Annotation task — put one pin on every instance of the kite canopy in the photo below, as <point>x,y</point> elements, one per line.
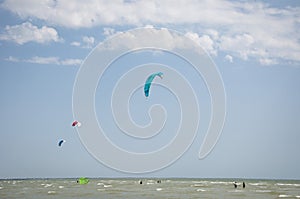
<point>76,123</point>
<point>83,180</point>
<point>61,142</point>
<point>149,81</point>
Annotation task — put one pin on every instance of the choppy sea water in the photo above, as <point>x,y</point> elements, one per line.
<point>150,188</point>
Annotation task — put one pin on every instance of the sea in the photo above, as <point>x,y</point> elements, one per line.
<point>148,188</point>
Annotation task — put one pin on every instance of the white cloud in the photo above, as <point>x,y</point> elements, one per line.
<point>108,31</point>
<point>229,58</point>
<point>12,59</point>
<point>46,60</point>
<point>43,60</point>
<point>267,61</point>
<point>75,43</point>
<point>26,32</point>
<point>87,42</point>
<point>70,62</point>
<point>242,44</point>
<point>205,41</point>
<point>268,32</point>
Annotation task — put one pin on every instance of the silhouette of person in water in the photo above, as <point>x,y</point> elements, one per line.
<point>235,185</point>
<point>244,185</point>
<point>141,182</point>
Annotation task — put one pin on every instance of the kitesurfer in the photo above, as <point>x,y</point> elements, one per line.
<point>235,184</point>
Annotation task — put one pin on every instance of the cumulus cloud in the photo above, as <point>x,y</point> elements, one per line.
<point>205,41</point>
<point>267,61</point>
<point>108,31</point>
<point>247,30</point>
<point>26,32</point>
<point>229,58</point>
<point>87,42</point>
<point>242,44</point>
<point>46,60</point>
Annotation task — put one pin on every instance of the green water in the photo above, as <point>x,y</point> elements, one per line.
<point>150,188</point>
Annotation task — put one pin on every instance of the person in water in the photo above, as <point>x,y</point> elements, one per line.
<point>235,185</point>
<point>244,185</point>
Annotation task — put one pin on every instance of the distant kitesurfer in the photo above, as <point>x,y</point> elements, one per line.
<point>235,184</point>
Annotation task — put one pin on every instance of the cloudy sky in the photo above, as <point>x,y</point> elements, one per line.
<point>254,44</point>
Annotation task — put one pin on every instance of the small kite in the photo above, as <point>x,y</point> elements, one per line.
<point>83,180</point>
<point>61,142</point>
<point>76,123</point>
<point>149,81</point>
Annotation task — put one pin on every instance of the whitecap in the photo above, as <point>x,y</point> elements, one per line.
<point>258,184</point>
<point>100,183</point>
<point>107,185</point>
<point>61,187</point>
<point>287,184</point>
<point>201,190</point>
<point>158,189</point>
<point>1,187</point>
<point>284,196</point>
<point>48,185</point>
<point>236,191</point>
<point>51,192</point>
<point>263,191</point>
<point>197,185</point>
<point>220,182</point>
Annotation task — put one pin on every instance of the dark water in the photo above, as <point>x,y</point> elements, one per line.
<point>150,188</point>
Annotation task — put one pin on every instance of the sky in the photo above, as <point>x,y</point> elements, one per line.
<point>255,46</point>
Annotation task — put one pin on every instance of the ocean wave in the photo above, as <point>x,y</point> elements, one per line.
<point>201,190</point>
<point>285,196</point>
<point>51,192</point>
<point>258,184</point>
<point>198,185</point>
<point>263,191</point>
<point>220,182</point>
<point>287,184</point>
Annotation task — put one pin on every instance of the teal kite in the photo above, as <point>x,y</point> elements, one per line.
<point>149,81</point>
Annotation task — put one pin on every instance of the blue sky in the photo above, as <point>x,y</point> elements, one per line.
<point>254,44</point>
